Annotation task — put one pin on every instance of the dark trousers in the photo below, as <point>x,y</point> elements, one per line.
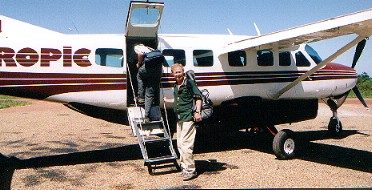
<point>149,86</point>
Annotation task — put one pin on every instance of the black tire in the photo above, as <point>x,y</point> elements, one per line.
<point>334,126</point>
<point>284,145</point>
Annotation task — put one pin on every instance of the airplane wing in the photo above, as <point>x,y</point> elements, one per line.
<point>359,23</point>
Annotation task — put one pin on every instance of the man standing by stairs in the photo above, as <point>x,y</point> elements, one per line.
<point>186,94</point>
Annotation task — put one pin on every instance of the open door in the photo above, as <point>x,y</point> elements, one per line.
<point>144,19</point>
<point>142,28</point>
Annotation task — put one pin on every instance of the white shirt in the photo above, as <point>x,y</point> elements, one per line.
<point>142,49</point>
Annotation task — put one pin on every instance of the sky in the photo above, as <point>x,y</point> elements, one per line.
<point>196,17</point>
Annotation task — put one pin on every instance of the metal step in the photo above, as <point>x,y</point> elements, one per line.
<point>155,139</point>
<point>162,159</point>
<point>152,122</point>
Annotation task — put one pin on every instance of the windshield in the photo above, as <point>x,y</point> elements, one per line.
<point>313,54</point>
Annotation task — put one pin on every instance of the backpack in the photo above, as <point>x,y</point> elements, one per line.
<point>207,104</point>
<point>153,59</point>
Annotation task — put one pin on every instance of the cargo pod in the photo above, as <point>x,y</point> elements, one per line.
<point>142,27</point>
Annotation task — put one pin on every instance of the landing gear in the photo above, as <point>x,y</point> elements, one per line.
<point>334,126</point>
<point>284,144</point>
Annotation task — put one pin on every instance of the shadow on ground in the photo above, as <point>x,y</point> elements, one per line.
<point>310,151</point>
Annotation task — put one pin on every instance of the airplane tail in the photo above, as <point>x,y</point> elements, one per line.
<point>12,27</point>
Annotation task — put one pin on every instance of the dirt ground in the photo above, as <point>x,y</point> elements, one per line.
<point>57,148</point>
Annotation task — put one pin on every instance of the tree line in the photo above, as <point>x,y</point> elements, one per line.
<point>364,85</point>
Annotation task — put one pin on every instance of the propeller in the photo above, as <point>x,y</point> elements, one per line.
<point>358,52</point>
<point>360,97</point>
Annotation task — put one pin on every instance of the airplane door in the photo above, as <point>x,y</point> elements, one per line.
<point>141,28</point>
<point>144,19</point>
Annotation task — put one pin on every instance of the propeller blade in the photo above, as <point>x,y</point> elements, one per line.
<point>359,95</point>
<point>358,52</point>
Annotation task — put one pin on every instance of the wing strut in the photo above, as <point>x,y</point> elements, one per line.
<point>320,65</point>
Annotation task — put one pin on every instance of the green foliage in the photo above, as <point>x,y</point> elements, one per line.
<point>364,85</point>
<point>9,101</point>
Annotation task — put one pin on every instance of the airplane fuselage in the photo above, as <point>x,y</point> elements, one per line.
<point>96,70</point>
<point>70,70</point>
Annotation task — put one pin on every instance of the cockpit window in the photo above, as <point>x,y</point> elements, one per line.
<point>301,60</point>
<point>313,54</point>
<point>109,57</point>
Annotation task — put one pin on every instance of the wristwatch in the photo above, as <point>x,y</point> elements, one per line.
<point>197,112</point>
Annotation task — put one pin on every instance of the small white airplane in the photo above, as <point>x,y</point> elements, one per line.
<point>254,81</point>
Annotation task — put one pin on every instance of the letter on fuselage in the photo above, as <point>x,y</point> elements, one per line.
<point>7,55</point>
<point>28,57</point>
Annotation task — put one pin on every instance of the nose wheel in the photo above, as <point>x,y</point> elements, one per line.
<point>334,126</point>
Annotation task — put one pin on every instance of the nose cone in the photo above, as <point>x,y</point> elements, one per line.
<point>336,67</point>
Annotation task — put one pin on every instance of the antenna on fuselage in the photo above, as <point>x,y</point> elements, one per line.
<point>74,28</point>
<point>257,30</point>
<point>230,32</point>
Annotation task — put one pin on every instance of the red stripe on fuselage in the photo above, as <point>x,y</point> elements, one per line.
<point>42,85</point>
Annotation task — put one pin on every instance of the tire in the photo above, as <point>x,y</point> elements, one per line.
<point>284,145</point>
<point>334,126</point>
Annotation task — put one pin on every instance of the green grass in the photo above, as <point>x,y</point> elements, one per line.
<point>9,101</point>
<point>367,94</point>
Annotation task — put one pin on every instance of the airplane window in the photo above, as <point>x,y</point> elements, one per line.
<point>203,58</point>
<point>265,58</point>
<point>237,58</point>
<point>313,54</point>
<point>284,58</point>
<point>174,56</point>
<point>301,60</point>
<point>109,57</point>
<point>144,16</point>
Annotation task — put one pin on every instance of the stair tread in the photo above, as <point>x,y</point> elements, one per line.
<point>162,158</point>
<point>155,139</point>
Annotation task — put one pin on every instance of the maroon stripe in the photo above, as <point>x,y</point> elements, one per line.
<point>58,75</point>
<point>42,85</point>
<point>55,82</point>
<point>42,92</point>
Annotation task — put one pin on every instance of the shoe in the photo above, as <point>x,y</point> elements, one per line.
<point>189,176</point>
<point>182,173</point>
<point>182,170</point>
<point>141,102</point>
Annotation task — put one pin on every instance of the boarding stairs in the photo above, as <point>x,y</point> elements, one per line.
<point>154,140</point>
